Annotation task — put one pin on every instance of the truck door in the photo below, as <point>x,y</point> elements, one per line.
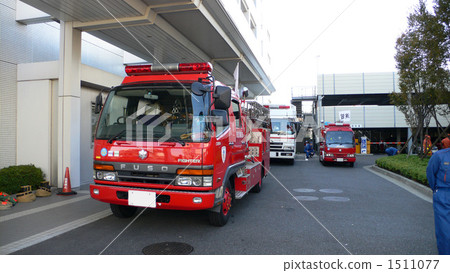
<point>237,137</point>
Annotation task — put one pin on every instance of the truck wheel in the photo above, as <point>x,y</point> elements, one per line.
<point>123,211</point>
<point>352,164</point>
<point>220,218</point>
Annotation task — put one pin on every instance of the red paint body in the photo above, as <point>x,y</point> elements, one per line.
<point>337,144</point>
<point>220,155</point>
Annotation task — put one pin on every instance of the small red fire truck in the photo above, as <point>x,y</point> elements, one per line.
<point>337,144</point>
<point>171,137</point>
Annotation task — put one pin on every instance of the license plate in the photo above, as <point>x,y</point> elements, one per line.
<point>142,199</point>
<point>339,159</point>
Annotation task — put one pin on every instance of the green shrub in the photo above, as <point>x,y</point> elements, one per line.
<point>411,167</point>
<point>11,178</point>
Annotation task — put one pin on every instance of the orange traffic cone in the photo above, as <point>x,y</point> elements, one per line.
<point>67,189</point>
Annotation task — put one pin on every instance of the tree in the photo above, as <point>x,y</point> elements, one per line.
<point>423,59</point>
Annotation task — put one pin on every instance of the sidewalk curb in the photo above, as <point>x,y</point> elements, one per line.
<point>403,180</point>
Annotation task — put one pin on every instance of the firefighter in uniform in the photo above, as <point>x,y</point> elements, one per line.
<point>438,175</point>
<point>427,144</point>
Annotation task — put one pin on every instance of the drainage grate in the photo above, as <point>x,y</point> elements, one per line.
<point>168,248</point>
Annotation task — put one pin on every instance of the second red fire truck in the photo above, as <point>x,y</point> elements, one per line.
<point>171,137</point>
<point>337,144</point>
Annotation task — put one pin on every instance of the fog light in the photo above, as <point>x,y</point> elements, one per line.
<point>96,191</point>
<point>197,200</point>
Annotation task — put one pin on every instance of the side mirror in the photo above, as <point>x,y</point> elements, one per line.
<point>220,117</point>
<point>222,98</point>
<point>98,103</point>
<point>198,88</point>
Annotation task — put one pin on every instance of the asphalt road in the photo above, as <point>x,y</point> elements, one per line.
<point>305,209</point>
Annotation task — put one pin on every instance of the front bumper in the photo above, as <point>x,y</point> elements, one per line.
<point>166,199</point>
<point>283,154</point>
<point>339,159</point>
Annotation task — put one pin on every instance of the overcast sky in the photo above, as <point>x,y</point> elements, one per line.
<point>361,40</point>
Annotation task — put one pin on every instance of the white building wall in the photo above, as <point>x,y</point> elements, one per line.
<point>379,116</point>
<point>20,44</point>
<point>34,129</point>
<point>380,83</point>
<point>348,84</point>
<point>247,16</point>
<point>359,83</point>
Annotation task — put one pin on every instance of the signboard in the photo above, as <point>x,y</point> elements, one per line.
<point>363,145</point>
<point>344,116</point>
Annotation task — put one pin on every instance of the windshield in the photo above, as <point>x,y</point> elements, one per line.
<point>283,127</point>
<point>339,138</point>
<point>155,113</point>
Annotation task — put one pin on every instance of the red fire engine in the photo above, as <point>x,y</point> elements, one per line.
<point>337,144</point>
<point>171,137</point>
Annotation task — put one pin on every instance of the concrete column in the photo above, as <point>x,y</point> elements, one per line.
<point>69,109</point>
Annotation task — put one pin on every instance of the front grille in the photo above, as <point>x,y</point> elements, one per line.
<point>159,198</point>
<point>145,177</point>
<point>276,147</point>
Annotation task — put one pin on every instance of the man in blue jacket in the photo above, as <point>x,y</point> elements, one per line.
<point>391,151</point>
<point>309,150</point>
<point>438,175</point>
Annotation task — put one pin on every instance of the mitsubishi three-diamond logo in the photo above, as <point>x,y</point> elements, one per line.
<point>143,154</point>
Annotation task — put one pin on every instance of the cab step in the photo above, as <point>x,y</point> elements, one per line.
<point>240,194</point>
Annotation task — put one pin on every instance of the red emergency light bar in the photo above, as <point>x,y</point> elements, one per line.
<point>338,124</point>
<point>134,70</point>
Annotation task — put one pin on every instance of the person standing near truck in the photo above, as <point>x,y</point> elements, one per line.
<point>439,180</point>
<point>427,145</point>
<point>308,150</point>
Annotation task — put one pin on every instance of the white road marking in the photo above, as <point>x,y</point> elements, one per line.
<point>40,237</point>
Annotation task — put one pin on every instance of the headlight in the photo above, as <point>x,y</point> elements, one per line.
<point>109,176</point>
<point>329,155</point>
<point>197,181</point>
<point>288,147</point>
<point>183,181</point>
<point>351,155</point>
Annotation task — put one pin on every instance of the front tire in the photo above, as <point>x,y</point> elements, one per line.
<point>123,211</point>
<point>220,218</point>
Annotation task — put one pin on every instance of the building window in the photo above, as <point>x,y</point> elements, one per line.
<point>253,26</point>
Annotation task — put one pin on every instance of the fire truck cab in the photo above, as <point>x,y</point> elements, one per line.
<point>283,132</point>
<point>337,144</point>
<point>171,137</point>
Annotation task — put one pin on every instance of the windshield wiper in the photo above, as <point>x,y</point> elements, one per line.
<point>110,140</point>
<point>173,139</point>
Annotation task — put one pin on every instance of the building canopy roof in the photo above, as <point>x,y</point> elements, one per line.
<point>168,32</point>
